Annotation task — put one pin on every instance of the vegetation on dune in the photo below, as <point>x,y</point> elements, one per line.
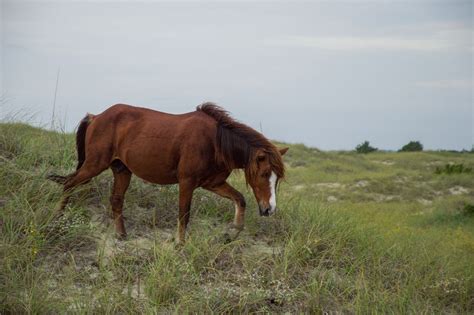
<point>453,169</point>
<point>356,233</point>
<point>365,147</point>
<point>412,146</point>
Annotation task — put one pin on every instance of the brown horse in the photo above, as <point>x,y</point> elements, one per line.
<point>196,149</point>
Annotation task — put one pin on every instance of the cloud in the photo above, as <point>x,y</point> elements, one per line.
<point>447,84</point>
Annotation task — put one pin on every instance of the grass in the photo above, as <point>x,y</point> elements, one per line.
<point>356,234</point>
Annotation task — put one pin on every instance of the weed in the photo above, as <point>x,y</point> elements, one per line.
<point>453,169</point>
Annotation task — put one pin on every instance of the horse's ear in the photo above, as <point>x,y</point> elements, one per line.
<point>283,151</point>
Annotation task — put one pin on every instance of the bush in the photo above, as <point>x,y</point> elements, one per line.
<point>468,209</point>
<point>453,169</point>
<point>412,146</point>
<point>365,147</point>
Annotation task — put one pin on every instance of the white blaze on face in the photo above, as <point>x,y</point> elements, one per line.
<point>272,182</point>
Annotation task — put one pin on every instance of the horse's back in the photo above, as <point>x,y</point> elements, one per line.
<point>158,147</point>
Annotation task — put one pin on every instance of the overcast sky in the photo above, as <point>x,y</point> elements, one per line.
<point>328,74</point>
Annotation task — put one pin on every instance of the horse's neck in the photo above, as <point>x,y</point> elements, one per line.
<point>238,160</point>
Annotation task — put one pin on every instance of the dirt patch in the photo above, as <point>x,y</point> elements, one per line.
<point>382,197</point>
<point>361,184</point>
<point>458,190</point>
<point>385,162</point>
<point>425,202</point>
<point>109,246</point>
<point>135,291</point>
<point>299,187</point>
<point>259,248</point>
<point>332,199</point>
<point>330,185</point>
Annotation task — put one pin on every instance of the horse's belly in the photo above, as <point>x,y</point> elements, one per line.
<point>156,168</point>
<point>157,178</point>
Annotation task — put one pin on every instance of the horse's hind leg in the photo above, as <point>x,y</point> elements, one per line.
<point>66,195</point>
<point>81,176</point>
<point>122,176</point>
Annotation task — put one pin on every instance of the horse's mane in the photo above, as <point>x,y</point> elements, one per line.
<point>237,143</point>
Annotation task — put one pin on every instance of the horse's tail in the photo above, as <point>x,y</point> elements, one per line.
<point>81,140</point>
<point>80,147</point>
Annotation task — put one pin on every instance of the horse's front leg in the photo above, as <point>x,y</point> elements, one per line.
<point>186,190</point>
<point>227,191</point>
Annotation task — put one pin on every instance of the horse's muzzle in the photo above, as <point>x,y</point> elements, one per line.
<point>265,212</point>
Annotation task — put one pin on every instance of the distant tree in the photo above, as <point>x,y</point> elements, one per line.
<point>412,146</point>
<point>365,147</point>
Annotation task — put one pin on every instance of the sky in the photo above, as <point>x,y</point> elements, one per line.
<point>329,74</point>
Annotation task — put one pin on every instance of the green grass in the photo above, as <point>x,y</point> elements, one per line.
<point>356,234</point>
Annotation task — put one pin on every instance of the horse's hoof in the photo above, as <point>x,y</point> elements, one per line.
<point>121,236</point>
<point>231,234</point>
<point>179,245</point>
<point>226,238</point>
<point>237,227</point>
<point>57,214</point>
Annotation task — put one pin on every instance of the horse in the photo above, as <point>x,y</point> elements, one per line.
<point>195,149</point>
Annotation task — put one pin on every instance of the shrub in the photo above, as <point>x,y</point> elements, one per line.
<point>468,209</point>
<point>412,146</point>
<point>453,169</point>
<point>365,147</point>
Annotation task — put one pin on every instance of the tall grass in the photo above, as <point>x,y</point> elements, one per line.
<point>359,254</point>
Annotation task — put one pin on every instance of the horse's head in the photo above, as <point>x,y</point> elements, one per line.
<point>267,170</point>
